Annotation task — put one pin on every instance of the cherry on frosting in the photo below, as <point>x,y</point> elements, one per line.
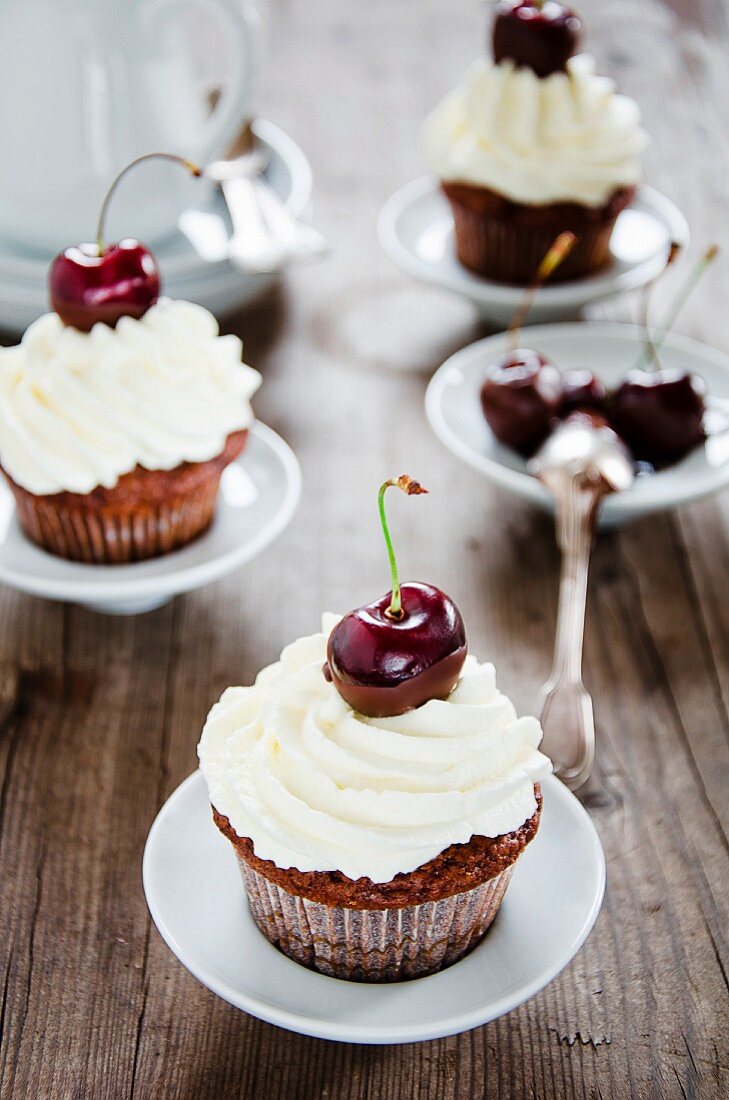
<point>91,283</point>
<point>402,650</point>
<point>88,286</point>
<point>539,34</point>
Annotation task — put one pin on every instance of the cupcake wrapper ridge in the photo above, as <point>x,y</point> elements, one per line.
<point>115,535</point>
<point>373,945</point>
<point>508,245</point>
<point>147,513</point>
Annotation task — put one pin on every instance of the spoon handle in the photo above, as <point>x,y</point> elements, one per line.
<point>564,706</point>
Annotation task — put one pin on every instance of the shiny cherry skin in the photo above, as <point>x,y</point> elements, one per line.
<point>541,37</point>
<point>520,397</point>
<point>86,287</point>
<point>581,390</point>
<point>385,666</point>
<point>659,414</point>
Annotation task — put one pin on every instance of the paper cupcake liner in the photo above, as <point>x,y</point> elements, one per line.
<point>147,513</point>
<point>373,945</point>
<point>115,535</point>
<point>504,250</point>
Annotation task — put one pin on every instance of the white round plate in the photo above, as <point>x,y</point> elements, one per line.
<point>416,230</point>
<point>258,496</point>
<point>196,898</point>
<point>198,272</point>
<point>453,407</point>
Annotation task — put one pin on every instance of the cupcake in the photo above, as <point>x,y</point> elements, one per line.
<point>375,846</point>
<point>113,441</point>
<point>531,144</point>
<point>119,410</point>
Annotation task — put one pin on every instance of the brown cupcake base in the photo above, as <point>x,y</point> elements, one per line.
<point>373,945</point>
<point>147,512</point>
<point>359,930</point>
<point>505,240</point>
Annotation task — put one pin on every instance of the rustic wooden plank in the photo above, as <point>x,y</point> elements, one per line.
<point>85,782</point>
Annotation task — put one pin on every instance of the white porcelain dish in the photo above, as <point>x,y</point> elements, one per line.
<point>415,228</point>
<point>196,898</point>
<point>453,408</point>
<point>211,281</point>
<point>258,496</point>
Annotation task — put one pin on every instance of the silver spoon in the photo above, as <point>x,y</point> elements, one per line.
<point>265,234</point>
<point>582,461</point>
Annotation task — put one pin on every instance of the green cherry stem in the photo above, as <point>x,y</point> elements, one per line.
<point>685,293</point>
<point>558,251</point>
<point>412,488</point>
<point>192,168</point>
<point>649,353</point>
<point>653,345</point>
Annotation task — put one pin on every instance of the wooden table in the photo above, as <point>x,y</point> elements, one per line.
<point>99,717</point>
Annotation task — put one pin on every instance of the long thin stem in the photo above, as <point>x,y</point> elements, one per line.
<point>192,168</point>
<point>407,485</point>
<point>558,251</point>
<point>653,344</point>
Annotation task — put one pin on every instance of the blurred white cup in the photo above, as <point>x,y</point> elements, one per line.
<point>88,85</point>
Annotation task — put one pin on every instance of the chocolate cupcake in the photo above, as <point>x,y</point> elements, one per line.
<point>371,848</point>
<point>113,441</point>
<point>531,144</point>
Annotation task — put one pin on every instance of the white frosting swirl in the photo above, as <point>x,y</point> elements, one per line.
<point>566,137</point>
<point>319,787</point>
<point>79,409</point>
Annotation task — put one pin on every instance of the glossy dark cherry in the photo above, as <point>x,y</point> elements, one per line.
<point>383,666</point>
<point>659,414</point>
<point>541,36</point>
<point>581,390</point>
<point>520,397</point>
<point>86,287</point>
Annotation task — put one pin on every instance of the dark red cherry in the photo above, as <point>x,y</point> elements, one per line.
<point>520,397</point>
<point>92,283</point>
<point>393,655</point>
<point>581,390</point>
<point>539,34</point>
<point>383,665</point>
<point>86,287</point>
<point>659,414</point>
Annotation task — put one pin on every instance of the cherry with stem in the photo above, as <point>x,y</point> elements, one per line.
<point>92,283</point>
<point>523,392</point>
<point>660,412</point>
<point>399,652</point>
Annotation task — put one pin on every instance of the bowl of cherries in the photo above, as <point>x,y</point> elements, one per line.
<point>496,402</point>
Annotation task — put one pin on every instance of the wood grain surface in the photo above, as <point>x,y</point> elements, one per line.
<point>99,717</point>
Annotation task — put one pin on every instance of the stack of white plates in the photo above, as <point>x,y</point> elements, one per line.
<point>193,262</point>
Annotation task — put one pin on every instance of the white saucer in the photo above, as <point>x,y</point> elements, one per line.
<point>195,895</point>
<point>210,281</point>
<point>415,228</point>
<point>258,496</point>
<point>453,407</point>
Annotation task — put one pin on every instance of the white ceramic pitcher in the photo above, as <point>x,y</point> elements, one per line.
<point>87,85</point>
